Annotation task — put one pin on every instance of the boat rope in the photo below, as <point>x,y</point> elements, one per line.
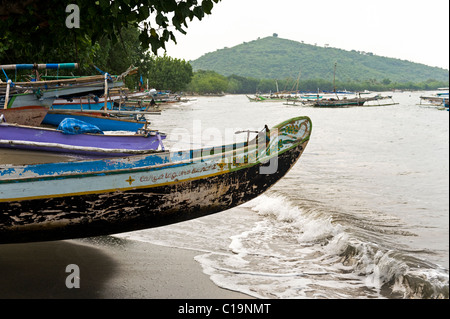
<point>7,78</point>
<point>104,73</point>
<point>131,70</point>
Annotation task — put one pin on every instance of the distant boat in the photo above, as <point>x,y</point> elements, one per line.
<point>93,144</point>
<point>67,200</point>
<point>357,100</point>
<point>439,99</point>
<point>272,98</point>
<point>339,103</point>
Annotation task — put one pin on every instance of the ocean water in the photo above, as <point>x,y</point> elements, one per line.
<point>363,214</point>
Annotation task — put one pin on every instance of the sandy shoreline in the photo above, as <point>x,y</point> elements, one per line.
<point>109,268</point>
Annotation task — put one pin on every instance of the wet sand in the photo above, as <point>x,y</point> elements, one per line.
<point>109,268</point>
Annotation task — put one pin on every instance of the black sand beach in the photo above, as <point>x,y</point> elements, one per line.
<point>109,268</point>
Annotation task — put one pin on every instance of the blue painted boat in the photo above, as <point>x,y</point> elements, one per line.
<point>86,198</point>
<point>102,121</point>
<point>83,103</point>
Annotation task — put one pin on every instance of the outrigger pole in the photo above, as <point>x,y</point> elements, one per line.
<point>35,66</point>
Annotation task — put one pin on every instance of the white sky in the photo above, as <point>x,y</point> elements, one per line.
<point>413,30</point>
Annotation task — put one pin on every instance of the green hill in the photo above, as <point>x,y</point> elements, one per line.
<point>276,58</point>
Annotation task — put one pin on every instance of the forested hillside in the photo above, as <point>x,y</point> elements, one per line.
<point>277,58</point>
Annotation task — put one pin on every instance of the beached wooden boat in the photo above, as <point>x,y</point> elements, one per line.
<point>26,115</point>
<point>45,93</point>
<point>74,141</point>
<point>97,197</point>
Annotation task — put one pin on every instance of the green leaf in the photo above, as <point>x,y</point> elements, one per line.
<point>207,6</point>
<point>198,12</point>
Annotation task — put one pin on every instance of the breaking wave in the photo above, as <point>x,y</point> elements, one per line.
<point>296,252</point>
<point>273,247</point>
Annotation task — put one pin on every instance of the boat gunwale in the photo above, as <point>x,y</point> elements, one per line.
<point>69,112</point>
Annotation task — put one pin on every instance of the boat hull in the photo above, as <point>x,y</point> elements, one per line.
<point>339,103</point>
<point>85,104</point>
<point>163,191</point>
<point>94,215</point>
<point>26,115</point>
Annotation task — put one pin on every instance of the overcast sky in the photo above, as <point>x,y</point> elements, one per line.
<point>413,30</point>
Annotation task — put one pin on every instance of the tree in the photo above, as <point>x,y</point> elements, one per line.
<point>205,82</point>
<point>31,27</point>
<point>166,73</point>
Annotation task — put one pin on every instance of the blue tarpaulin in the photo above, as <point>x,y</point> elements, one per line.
<point>73,126</point>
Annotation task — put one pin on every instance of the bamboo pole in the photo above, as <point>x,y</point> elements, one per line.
<point>82,80</point>
<point>7,94</point>
<point>106,91</point>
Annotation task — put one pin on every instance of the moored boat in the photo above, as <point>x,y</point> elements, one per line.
<point>439,99</point>
<point>97,197</point>
<point>272,98</point>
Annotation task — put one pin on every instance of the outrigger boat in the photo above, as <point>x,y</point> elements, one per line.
<point>79,138</point>
<point>348,102</point>
<point>272,98</point>
<point>439,99</point>
<point>54,201</point>
<point>45,93</point>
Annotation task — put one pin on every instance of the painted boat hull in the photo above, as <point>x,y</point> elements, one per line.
<point>26,115</point>
<point>50,140</point>
<point>338,104</point>
<point>84,104</point>
<point>94,198</point>
<point>104,123</point>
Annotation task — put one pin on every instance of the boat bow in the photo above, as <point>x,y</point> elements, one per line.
<point>98,197</point>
